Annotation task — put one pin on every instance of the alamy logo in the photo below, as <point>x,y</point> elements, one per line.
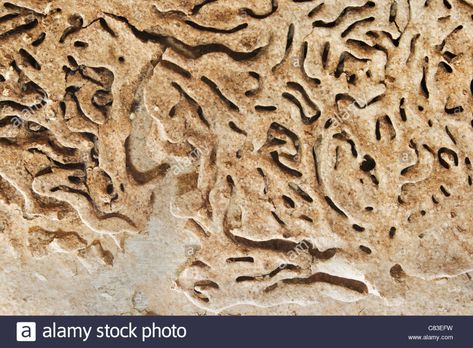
<point>26,332</point>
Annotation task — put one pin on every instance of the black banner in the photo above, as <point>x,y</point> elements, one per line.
<point>92,331</point>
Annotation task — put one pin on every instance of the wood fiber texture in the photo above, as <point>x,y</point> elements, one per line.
<point>236,157</point>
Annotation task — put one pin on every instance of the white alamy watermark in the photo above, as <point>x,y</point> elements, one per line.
<point>17,120</point>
